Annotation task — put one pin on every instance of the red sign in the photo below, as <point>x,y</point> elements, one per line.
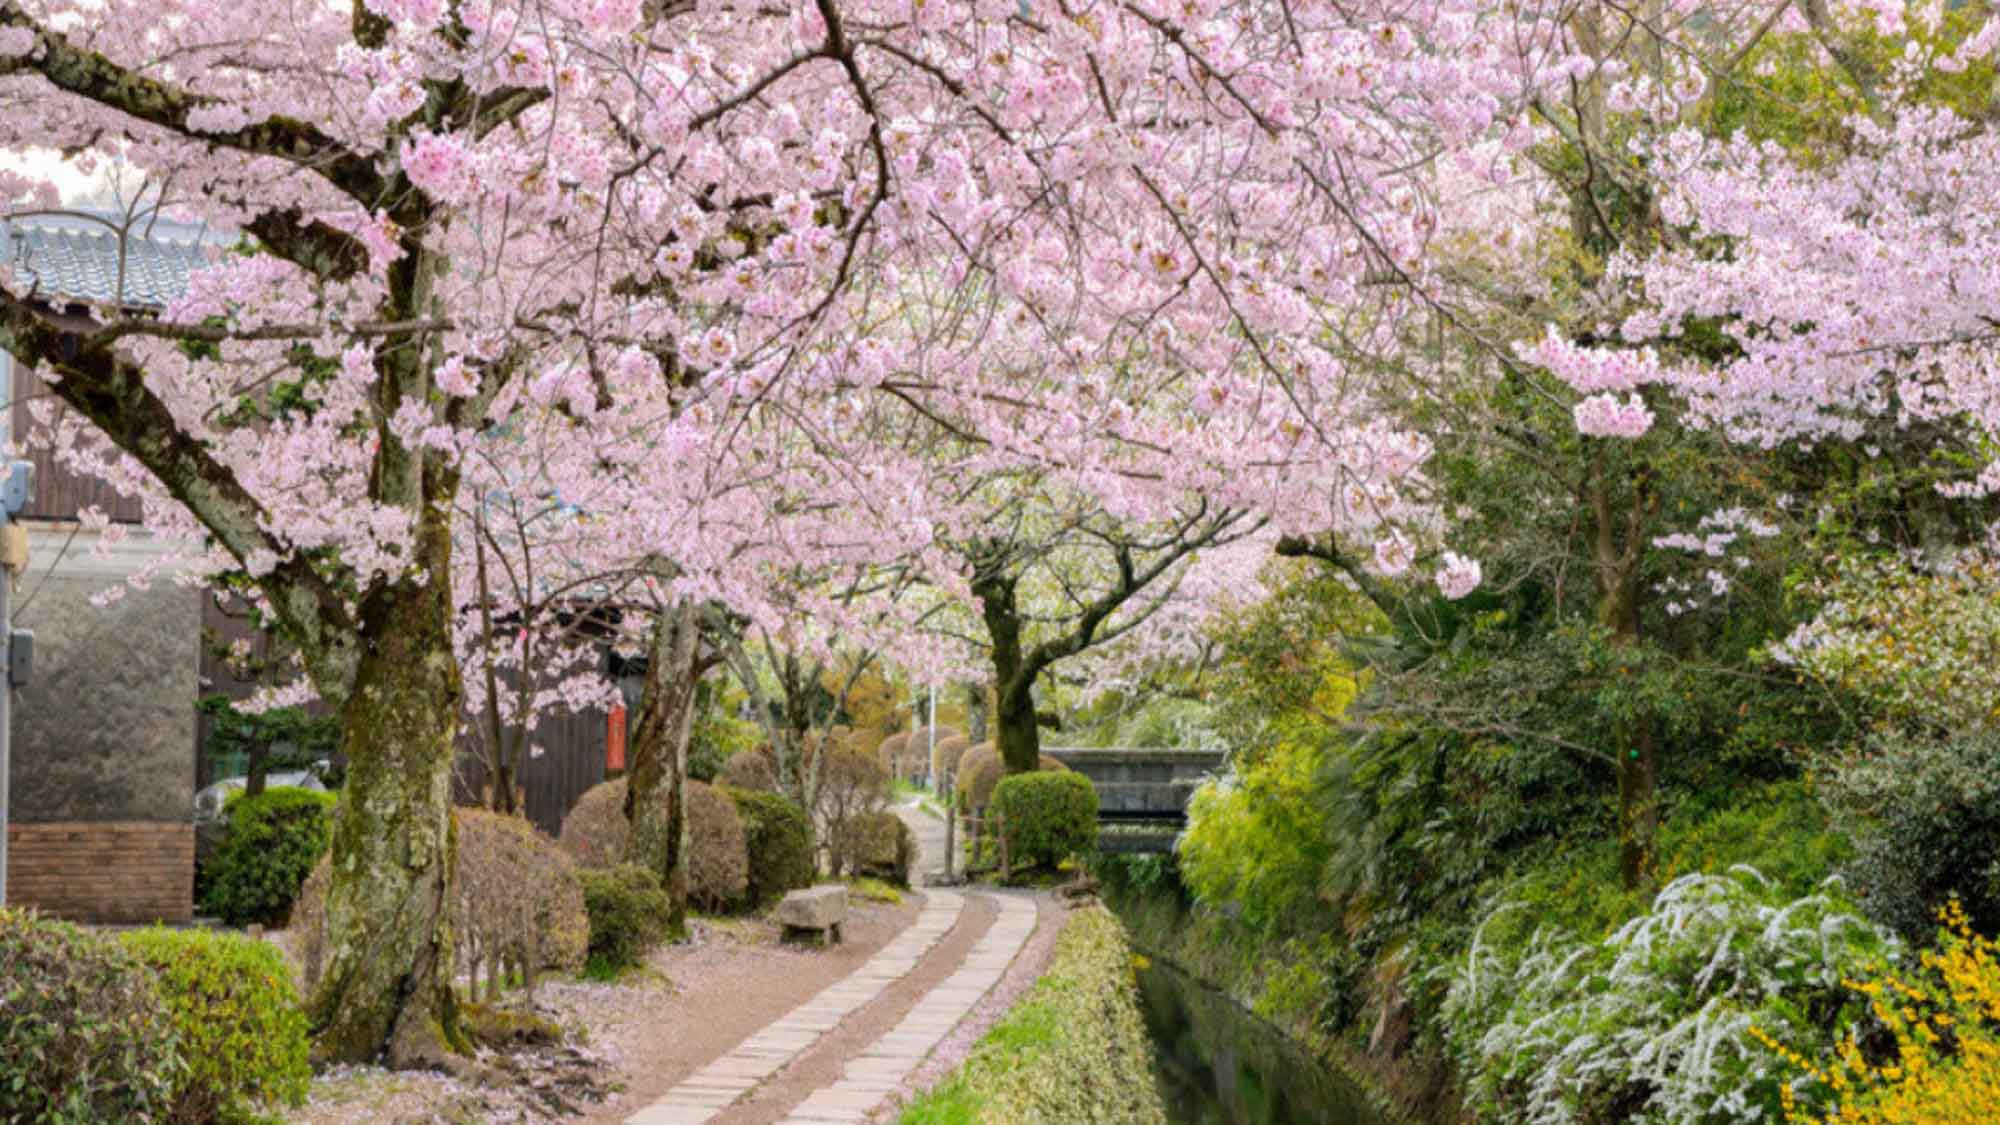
<point>614,739</point>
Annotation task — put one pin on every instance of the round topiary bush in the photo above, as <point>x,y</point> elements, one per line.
<point>628,912</point>
<point>881,846</point>
<point>274,840</point>
<point>944,760</point>
<point>892,750</point>
<point>519,903</point>
<point>851,784</point>
<point>779,839</point>
<point>85,1035</point>
<point>240,1023</point>
<point>965,755</point>
<point>756,768</point>
<point>1048,816</point>
<point>981,759</point>
<point>718,852</point>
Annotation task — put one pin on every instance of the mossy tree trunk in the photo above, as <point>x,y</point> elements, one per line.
<point>655,794</point>
<point>387,984</point>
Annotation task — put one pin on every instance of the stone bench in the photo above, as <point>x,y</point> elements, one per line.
<point>814,914</point>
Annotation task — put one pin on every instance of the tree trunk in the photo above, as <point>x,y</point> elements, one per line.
<point>255,766</point>
<point>975,713</point>
<point>654,796</point>
<point>1020,739</point>
<point>1638,772</point>
<point>387,988</point>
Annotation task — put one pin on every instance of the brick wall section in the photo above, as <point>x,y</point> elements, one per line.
<point>103,871</point>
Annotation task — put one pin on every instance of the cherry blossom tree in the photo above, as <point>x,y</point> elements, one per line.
<point>1063,233</point>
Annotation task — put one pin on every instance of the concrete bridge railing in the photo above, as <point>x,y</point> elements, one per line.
<point>1142,794</point>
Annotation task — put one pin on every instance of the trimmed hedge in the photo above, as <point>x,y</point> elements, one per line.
<point>755,768</point>
<point>595,832</point>
<point>779,838</point>
<point>520,905</point>
<point>628,911</point>
<point>1073,1049</point>
<point>981,770</point>
<point>881,847</point>
<point>85,1035</point>
<point>1048,816</point>
<point>240,1023</point>
<point>274,840</point>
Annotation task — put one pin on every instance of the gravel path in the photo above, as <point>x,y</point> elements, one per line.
<point>929,831</point>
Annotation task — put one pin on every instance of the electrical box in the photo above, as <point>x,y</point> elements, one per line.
<point>17,486</point>
<point>20,656</point>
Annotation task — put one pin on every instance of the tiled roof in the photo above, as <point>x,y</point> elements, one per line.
<point>79,260</point>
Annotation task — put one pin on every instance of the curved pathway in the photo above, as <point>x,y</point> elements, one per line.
<point>716,1086</point>
<point>760,1078</point>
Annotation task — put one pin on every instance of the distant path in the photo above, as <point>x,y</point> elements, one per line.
<point>929,831</point>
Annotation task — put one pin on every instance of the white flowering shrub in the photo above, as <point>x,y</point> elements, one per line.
<point>1651,1023</point>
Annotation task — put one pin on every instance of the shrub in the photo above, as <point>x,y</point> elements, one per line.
<point>961,763</point>
<point>983,772</point>
<point>238,1017</point>
<point>892,750</point>
<point>756,768</point>
<point>1945,1065</point>
<point>779,838</point>
<point>1925,816</point>
<point>628,910</point>
<point>1653,1022</point>
<point>595,832</point>
<point>1256,840</point>
<point>1073,1049</point>
<point>520,906</point>
<point>84,1033</point>
<point>718,853</point>
<point>977,767</point>
<point>880,846</point>
<point>851,784</point>
<point>944,761</point>
<point>274,839</point>
<point>1049,817</point>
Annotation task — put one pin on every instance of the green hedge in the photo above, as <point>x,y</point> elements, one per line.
<point>239,1019</point>
<point>84,1033</point>
<point>1073,1049</point>
<point>779,837</point>
<point>1048,816</point>
<point>628,911</point>
<point>274,840</point>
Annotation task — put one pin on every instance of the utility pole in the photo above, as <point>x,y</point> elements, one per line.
<point>15,488</point>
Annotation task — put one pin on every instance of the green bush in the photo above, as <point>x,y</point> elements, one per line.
<point>1652,1022</point>
<point>1048,816</point>
<point>628,911</point>
<point>274,840</point>
<point>84,1033</point>
<point>240,1022</point>
<point>1073,1049</point>
<point>779,837</point>
<point>1925,817</point>
<point>880,846</point>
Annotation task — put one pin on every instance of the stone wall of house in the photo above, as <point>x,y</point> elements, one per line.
<point>103,767</point>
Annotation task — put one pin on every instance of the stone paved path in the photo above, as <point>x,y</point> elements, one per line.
<point>737,1072</point>
<point>880,1068</point>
